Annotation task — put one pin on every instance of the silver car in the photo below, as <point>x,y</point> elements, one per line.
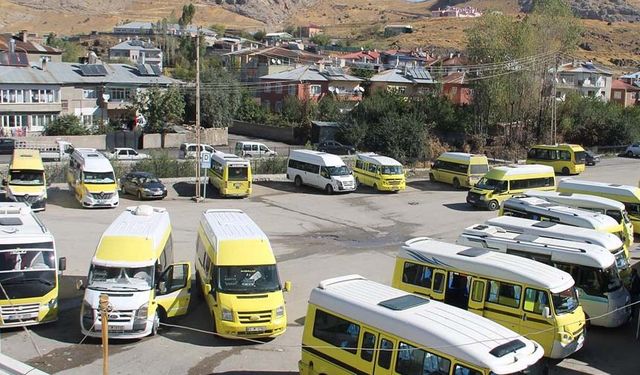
<point>633,150</point>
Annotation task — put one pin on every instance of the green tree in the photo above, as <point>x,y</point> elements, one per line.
<point>250,111</point>
<point>161,109</point>
<point>259,35</point>
<point>188,12</point>
<point>329,109</point>
<point>71,52</point>
<point>321,39</point>
<point>220,97</point>
<point>66,125</point>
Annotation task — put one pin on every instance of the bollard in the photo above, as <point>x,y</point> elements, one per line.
<point>104,314</point>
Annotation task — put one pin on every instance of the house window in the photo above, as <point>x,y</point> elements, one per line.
<point>292,89</point>
<point>315,89</point>
<point>397,89</point>
<point>118,93</point>
<point>617,95</point>
<point>89,94</point>
<point>454,90</point>
<point>40,121</point>
<point>87,120</point>
<point>278,89</point>
<point>13,121</point>
<point>267,87</point>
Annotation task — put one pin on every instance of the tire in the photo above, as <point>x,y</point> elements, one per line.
<point>565,171</point>
<point>493,205</point>
<point>357,182</point>
<point>214,327</point>
<point>375,187</point>
<point>328,189</point>
<point>629,154</point>
<point>456,184</point>
<point>432,178</point>
<point>139,195</point>
<point>156,324</point>
<point>298,181</point>
<point>123,191</point>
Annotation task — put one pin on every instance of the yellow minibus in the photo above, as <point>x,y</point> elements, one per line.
<point>459,169</point>
<point>28,271</point>
<point>133,265</point>
<point>564,158</point>
<point>91,179</point>
<point>626,194</point>
<point>534,299</point>
<point>230,175</point>
<point>26,180</point>
<point>501,183</point>
<point>237,274</point>
<point>380,172</point>
<point>357,326</point>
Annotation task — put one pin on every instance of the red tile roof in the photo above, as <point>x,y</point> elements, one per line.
<point>29,46</point>
<point>621,85</point>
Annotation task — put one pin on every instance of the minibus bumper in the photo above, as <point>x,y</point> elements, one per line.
<point>392,186</point>
<point>42,314</point>
<point>238,330</point>
<point>126,331</point>
<point>476,200</point>
<point>90,202</point>
<point>37,203</point>
<point>562,351</point>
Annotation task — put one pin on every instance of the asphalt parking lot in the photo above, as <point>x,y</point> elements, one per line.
<point>315,237</point>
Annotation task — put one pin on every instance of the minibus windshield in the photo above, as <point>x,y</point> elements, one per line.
<point>248,279</point>
<point>491,184</point>
<point>478,168</point>
<point>609,279</point>
<point>621,260</point>
<point>238,173</point>
<point>26,177</point>
<point>581,157</point>
<point>26,273</point>
<point>99,177</point>
<point>565,301</point>
<point>338,171</point>
<point>127,278</point>
<point>616,215</point>
<point>391,169</point>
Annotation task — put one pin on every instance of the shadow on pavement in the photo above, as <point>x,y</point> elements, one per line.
<point>426,185</point>
<point>464,207</point>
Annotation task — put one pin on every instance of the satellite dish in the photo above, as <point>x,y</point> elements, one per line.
<point>279,62</point>
<point>273,61</point>
<point>332,89</point>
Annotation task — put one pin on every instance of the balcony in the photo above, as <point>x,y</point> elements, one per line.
<point>31,107</point>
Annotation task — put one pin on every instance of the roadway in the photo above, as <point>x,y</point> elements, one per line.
<point>315,237</point>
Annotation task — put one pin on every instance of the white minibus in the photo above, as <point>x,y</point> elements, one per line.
<point>602,294</point>
<point>320,170</point>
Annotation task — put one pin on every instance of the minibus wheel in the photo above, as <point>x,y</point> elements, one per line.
<point>493,205</point>
<point>298,181</point>
<point>432,178</point>
<point>629,154</point>
<point>156,324</point>
<point>565,171</point>
<point>456,184</point>
<point>329,189</point>
<point>139,195</point>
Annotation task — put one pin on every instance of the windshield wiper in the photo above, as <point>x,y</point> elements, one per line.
<point>4,281</point>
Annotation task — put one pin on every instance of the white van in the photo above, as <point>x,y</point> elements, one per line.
<point>247,149</point>
<point>320,170</point>
<point>188,150</point>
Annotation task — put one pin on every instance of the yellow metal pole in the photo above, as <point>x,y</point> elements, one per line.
<point>104,313</point>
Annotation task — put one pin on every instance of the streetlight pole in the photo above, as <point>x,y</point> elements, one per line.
<point>198,197</point>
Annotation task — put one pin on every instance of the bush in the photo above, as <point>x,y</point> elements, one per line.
<point>66,125</point>
<point>163,166</point>
<point>276,165</point>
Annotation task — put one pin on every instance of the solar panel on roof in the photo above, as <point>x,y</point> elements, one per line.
<point>418,73</point>
<point>93,70</point>
<point>334,71</point>
<point>13,59</point>
<point>148,70</point>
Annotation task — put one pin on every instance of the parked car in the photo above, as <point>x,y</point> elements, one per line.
<point>337,148</point>
<point>188,150</point>
<point>7,145</point>
<point>126,154</point>
<point>143,185</point>
<point>591,159</point>
<point>633,150</point>
<point>246,149</point>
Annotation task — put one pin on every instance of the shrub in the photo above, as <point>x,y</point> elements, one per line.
<point>163,166</point>
<point>274,165</point>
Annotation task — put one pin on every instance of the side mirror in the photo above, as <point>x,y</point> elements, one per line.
<point>5,182</point>
<point>207,288</point>
<point>287,286</point>
<point>80,285</point>
<point>162,287</point>
<point>62,264</point>
<point>546,312</point>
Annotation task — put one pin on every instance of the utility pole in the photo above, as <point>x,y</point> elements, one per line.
<point>197,197</point>
<point>554,107</point>
<point>104,314</point>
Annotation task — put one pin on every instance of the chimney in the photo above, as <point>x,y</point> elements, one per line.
<point>44,64</point>
<point>451,55</point>
<point>12,45</point>
<point>24,36</point>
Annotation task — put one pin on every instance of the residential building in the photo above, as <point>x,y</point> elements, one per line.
<point>309,83</point>
<point>584,78</point>
<point>407,82</point>
<point>148,28</point>
<point>631,78</point>
<point>138,52</point>
<point>25,43</point>
<point>310,31</point>
<point>252,64</point>
<point>397,58</point>
<point>455,63</point>
<point>134,28</point>
<point>33,95</point>
<point>450,11</point>
<point>273,39</point>
<point>624,93</point>
<point>371,57</point>
<point>223,45</point>
<point>456,88</point>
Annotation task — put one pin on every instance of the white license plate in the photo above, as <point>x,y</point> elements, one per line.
<point>21,316</point>
<point>256,329</point>
<point>116,328</point>
<point>237,186</point>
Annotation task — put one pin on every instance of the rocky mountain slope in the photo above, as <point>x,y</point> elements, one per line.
<point>604,10</point>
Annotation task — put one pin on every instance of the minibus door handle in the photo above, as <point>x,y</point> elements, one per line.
<point>524,317</point>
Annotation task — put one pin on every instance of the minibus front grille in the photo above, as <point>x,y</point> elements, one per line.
<point>26,313</point>
<point>249,317</point>
<point>254,296</point>
<point>394,182</point>
<point>31,199</point>
<point>473,195</point>
<point>102,195</point>
<point>118,316</point>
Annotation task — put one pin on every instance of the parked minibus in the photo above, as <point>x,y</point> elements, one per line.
<point>601,291</point>
<point>91,179</point>
<point>459,169</point>
<point>612,243</point>
<point>602,205</point>
<point>528,297</point>
<point>237,274</point>
<point>564,158</point>
<point>133,265</point>
<point>357,326</point>
<point>320,170</point>
<point>26,180</point>
<point>230,175</point>
<point>626,194</point>
<point>502,183</point>
<point>539,209</point>
<point>380,172</point>
<point>28,270</point>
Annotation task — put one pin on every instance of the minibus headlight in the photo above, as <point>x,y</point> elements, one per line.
<point>53,303</point>
<point>280,311</point>
<point>87,315</point>
<point>565,337</point>
<point>142,312</point>
<point>340,184</point>
<point>227,315</point>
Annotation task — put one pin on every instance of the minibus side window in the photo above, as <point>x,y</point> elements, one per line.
<point>368,343</point>
<point>373,168</point>
<point>438,283</point>
<point>414,361</point>
<point>633,209</point>
<point>384,357</point>
<point>565,155</point>
<point>463,370</point>
<point>535,300</point>
<point>359,164</point>
<point>417,274</point>
<point>336,331</point>
<point>504,293</point>
<point>478,288</point>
